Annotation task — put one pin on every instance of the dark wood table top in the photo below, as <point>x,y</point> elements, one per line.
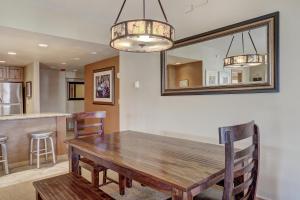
<point>182,163</point>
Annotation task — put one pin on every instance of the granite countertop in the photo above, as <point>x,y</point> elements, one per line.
<point>33,116</point>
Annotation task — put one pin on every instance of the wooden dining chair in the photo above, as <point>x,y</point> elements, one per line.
<point>241,167</point>
<point>87,124</point>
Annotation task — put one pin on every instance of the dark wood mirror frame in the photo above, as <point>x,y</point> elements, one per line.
<point>272,22</point>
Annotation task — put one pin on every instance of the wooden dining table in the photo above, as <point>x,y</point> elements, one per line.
<point>182,167</point>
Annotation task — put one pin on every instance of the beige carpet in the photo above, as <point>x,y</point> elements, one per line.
<point>18,186</point>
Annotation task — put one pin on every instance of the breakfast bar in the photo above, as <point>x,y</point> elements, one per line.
<point>19,127</point>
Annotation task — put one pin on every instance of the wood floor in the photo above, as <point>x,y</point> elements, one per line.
<point>23,189</point>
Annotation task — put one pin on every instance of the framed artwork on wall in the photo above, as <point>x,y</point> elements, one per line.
<point>28,89</point>
<point>104,86</point>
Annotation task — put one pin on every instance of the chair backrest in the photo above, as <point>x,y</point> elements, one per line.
<point>241,167</point>
<point>89,123</point>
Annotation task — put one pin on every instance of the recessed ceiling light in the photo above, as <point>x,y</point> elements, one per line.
<point>2,61</point>
<point>11,53</point>
<point>63,63</point>
<point>43,45</point>
<point>94,53</point>
<point>76,58</point>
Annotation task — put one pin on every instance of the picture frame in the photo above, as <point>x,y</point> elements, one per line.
<point>225,77</point>
<point>104,86</point>
<point>28,89</point>
<point>211,77</point>
<point>183,83</point>
<point>75,90</point>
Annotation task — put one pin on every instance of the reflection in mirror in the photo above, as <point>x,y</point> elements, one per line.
<point>235,59</point>
<point>203,64</point>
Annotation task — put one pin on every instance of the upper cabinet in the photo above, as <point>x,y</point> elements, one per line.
<point>2,73</point>
<point>11,74</point>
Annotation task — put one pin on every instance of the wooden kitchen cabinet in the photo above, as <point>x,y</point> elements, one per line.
<point>2,73</point>
<point>11,74</point>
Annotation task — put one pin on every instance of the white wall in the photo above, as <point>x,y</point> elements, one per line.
<point>198,117</point>
<point>53,91</point>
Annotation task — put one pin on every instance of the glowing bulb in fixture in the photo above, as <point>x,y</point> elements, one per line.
<point>145,38</point>
<point>43,45</point>
<point>11,53</point>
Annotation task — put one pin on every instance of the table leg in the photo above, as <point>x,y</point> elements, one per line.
<point>74,161</point>
<point>128,182</point>
<point>122,184</point>
<point>177,194</point>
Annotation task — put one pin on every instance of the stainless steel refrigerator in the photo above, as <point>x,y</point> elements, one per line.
<point>11,98</point>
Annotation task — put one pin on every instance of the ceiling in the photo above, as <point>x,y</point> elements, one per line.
<point>74,28</point>
<point>60,53</point>
<point>176,60</point>
<point>91,20</point>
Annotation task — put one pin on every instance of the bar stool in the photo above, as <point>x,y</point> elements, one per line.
<point>3,157</point>
<point>38,136</point>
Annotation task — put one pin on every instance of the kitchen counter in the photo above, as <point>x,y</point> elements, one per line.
<point>33,116</point>
<point>19,127</point>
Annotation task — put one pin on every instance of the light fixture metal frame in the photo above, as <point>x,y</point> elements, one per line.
<point>230,61</point>
<point>146,21</point>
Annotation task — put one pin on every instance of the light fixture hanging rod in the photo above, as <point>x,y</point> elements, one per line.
<point>163,11</point>
<point>230,46</point>
<point>117,19</point>
<point>243,43</point>
<point>144,9</point>
<point>252,42</point>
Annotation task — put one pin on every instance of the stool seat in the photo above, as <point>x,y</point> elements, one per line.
<point>3,139</point>
<point>41,134</point>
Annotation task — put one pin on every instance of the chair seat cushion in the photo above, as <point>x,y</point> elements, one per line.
<point>213,193</point>
<point>68,187</point>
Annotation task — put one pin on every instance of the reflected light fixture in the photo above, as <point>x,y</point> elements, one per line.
<point>142,35</point>
<point>244,60</point>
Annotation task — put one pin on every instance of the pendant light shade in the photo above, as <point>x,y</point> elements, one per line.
<point>244,60</point>
<point>142,35</point>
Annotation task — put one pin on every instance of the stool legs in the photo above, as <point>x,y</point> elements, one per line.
<point>38,153</point>
<point>31,150</point>
<point>4,157</point>
<point>46,148</point>
<point>38,150</point>
<point>53,150</point>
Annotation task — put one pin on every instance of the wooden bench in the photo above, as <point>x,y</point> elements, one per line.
<point>68,187</point>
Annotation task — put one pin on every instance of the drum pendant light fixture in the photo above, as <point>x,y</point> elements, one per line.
<point>142,35</point>
<point>244,60</point>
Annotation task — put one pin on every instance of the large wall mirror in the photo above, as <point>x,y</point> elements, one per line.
<point>240,58</point>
